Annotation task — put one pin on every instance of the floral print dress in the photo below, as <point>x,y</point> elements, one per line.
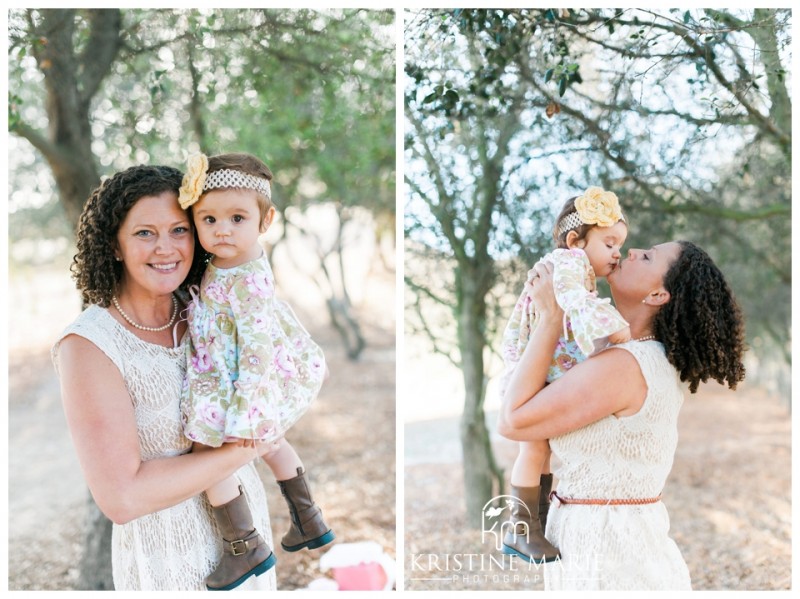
<point>253,370</point>
<point>588,319</point>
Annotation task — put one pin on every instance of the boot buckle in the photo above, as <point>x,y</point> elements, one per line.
<point>234,547</point>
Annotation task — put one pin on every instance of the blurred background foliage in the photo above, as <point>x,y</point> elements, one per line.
<point>312,93</point>
<point>684,114</point>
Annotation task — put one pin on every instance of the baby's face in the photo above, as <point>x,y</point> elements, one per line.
<point>603,247</point>
<point>228,225</point>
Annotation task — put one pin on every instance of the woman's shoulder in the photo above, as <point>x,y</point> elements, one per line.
<point>95,325</point>
<point>652,360</point>
<point>93,319</point>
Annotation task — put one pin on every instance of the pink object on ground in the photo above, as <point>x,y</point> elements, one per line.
<point>359,567</point>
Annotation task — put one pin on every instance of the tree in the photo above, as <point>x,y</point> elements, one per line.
<point>459,176</point>
<point>286,85</point>
<point>72,75</point>
<point>714,79</point>
<point>97,90</point>
<point>684,114</point>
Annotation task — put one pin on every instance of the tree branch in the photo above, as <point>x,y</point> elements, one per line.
<point>445,201</point>
<point>48,149</point>
<point>425,327</point>
<point>100,51</point>
<point>705,52</point>
<point>761,213</point>
<point>426,292</point>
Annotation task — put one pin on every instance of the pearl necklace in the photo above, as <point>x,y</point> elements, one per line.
<point>142,327</point>
<point>646,338</point>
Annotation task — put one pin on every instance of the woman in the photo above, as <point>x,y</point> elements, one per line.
<point>121,365</point>
<point>612,419</point>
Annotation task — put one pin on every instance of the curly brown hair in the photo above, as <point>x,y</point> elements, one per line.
<point>94,268</point>
<point>701,326</point>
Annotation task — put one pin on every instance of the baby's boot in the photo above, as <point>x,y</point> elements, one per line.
<point>244,552</point>
<point>526,539</point>
<point>546,485</point>
<point>308,529</point>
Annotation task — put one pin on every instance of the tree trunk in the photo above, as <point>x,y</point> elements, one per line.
<point>480,470</point>
<point>347,326</point>
<point>71,80</point>
<point>95,568</point>
<point>337,298</point>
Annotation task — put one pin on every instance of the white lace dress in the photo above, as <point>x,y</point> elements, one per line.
<point>176,548</point>
<point>619,547</point>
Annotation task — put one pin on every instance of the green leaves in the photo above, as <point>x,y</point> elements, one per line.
<point>565,74</point>
<point>14,102</point>
<point>443,98</point>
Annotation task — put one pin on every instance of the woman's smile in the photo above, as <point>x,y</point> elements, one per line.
<point>167,268</point>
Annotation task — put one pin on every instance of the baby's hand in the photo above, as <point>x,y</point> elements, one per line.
<point>620,336</point>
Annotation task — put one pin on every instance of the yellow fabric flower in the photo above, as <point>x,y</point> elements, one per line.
<point>193,180</point>
<point>598,207</point>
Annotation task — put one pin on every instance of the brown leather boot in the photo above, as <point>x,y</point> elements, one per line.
<point>308,529</point>
<point>244,552</point>
<point>546,485</point>
<point>527,540</point>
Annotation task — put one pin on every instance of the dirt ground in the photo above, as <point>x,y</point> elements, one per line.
<point>728,497</point>
<point>347,442</point>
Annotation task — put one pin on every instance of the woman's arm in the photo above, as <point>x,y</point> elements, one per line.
<point>609,383</point>
<point>102,423</point>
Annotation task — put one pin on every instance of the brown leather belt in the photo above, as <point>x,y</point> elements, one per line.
<point>569,500</point>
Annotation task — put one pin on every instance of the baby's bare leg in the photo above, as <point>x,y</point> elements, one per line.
<point>533,461</point>
<point>225,490</point>
<point>284,462</point>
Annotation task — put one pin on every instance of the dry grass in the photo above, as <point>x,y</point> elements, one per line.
<point>728,496</point>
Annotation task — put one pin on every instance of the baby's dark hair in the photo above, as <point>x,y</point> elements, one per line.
<point>248,164</point>
<point>95,268</point>
<point>701,326</point>
<point>582,230</point>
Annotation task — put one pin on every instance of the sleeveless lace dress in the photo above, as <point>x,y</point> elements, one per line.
<point>619,547</point>
<point>176,548</point>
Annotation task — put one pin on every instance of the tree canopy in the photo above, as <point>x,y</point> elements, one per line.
<point>310,92</point>
<point>684,114</point>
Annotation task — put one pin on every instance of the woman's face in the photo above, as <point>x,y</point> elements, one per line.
<point>156,244</point>
<point>643,271</point>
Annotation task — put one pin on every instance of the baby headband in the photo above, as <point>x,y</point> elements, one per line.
<point>594,207</point>
<point>197,180</point>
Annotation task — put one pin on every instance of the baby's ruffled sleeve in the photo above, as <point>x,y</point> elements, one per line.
<point>592,319</point>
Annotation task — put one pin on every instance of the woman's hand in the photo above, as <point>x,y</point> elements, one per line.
<point>263,448</point>
<point>540,289</point>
